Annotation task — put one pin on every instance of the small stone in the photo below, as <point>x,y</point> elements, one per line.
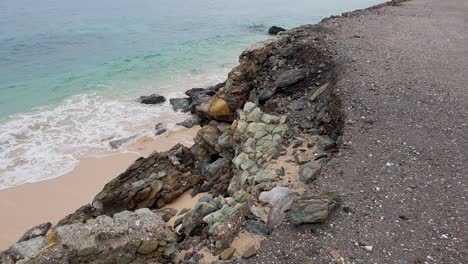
<point>250,251</point>
<point>219,244</point>
<point>170,251</point>
<point>335,254</point>
<point>264,176</point>
<point>309,171</point>
<point>326,143</point>
<point>206,198</point>
<point>368,248</point>
<point>227,253</point>
<point>147,247</point>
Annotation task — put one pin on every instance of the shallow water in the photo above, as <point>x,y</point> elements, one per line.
<point>70,70</point>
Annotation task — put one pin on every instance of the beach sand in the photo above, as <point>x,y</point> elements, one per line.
<point>31,204</point>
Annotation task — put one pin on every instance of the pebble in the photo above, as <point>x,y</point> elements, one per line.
<point>368,248</point>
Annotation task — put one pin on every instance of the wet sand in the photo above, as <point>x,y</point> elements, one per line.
<point>31,204</point>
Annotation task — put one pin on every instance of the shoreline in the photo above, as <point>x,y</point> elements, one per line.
<point>50,200</point>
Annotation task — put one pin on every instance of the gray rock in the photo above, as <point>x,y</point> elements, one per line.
<point>189,123</point>
<point>310,209</point>
<point>297,106</point>
<point>181,104</point>
<point>319,91</point>
<point>152,99</point>
<point>290,77</point>
<point>274,195</point>
<point>30,247</point>
<point>257,228</point>
<point>264,176</point>
<point>326,143</point>
<point>309,171</point>
<point>206,199</point>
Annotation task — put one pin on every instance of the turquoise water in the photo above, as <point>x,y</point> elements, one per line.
<point>71,69</point>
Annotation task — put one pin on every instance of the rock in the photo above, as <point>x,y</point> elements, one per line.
<point>219,108</point>
<point>319,91</point>
<point>191,122</point>
<point>115,144</point>
<point>257,228</point>
<point>289,78</point>
<point>275,30</point>
<point>249,251</point>
<point>259,213</point>
<point>264,176</point>
<point>30,247</point>
<point>181,104</point>
<point>207,138</point>
<point>152,99</point>
<point>227,253</point>
<point>297,106</point>
<point>304,156</point>
<point>280,171</point>
<point>310,209</point>
<point>40,230</point>
<point>158,126</point>
<point>128,236</point>
<point>161,131</point>
<point>274,195</point>
<point>368,248</point>
<point>166,213</point>
<point>326,143</point>
<point>148,246</point>
<point>309,171</point>
<point>138,186</point>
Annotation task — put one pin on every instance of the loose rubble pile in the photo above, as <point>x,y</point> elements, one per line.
<point>276,108</point>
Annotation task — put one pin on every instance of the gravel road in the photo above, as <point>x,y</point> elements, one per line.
<point>403,165</point>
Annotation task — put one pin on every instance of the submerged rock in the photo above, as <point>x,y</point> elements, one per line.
<point>152,99</point>
<point>310,209</point>
<point>115,144</point>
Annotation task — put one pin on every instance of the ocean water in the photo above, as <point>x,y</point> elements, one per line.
<point>70,70</point>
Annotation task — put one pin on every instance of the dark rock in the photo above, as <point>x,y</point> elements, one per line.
<point>310,209</point>
<point>256,227</point>
<point>158,126</point>
<point>297,105</point>
<point>189,123</point>
<point>289,78</point>
<point>275,30</point>
<point>152,99</point>
<point>181,104</point>
<point>309,171</point>
<point>140,186</point>
<point>36,231</point>
<point>326,143</point>
<point>161,131</point>
<point>280,171</point>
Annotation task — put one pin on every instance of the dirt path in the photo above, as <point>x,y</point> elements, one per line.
<point>403,167</point>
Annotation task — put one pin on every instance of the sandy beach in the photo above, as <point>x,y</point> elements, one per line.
<point>31,204</point>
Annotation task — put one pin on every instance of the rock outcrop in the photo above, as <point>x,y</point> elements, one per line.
<point>279,101</point>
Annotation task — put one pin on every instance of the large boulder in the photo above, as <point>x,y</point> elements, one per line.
<point>152,99</point>
<point>148,183</point>
<point>140,236</point>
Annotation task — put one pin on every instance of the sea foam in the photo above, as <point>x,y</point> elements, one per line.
<point>49,141</point>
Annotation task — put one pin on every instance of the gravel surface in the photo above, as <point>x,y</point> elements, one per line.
<point>402,168</point>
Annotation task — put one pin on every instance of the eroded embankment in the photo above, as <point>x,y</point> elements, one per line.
<point>267,131</point>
